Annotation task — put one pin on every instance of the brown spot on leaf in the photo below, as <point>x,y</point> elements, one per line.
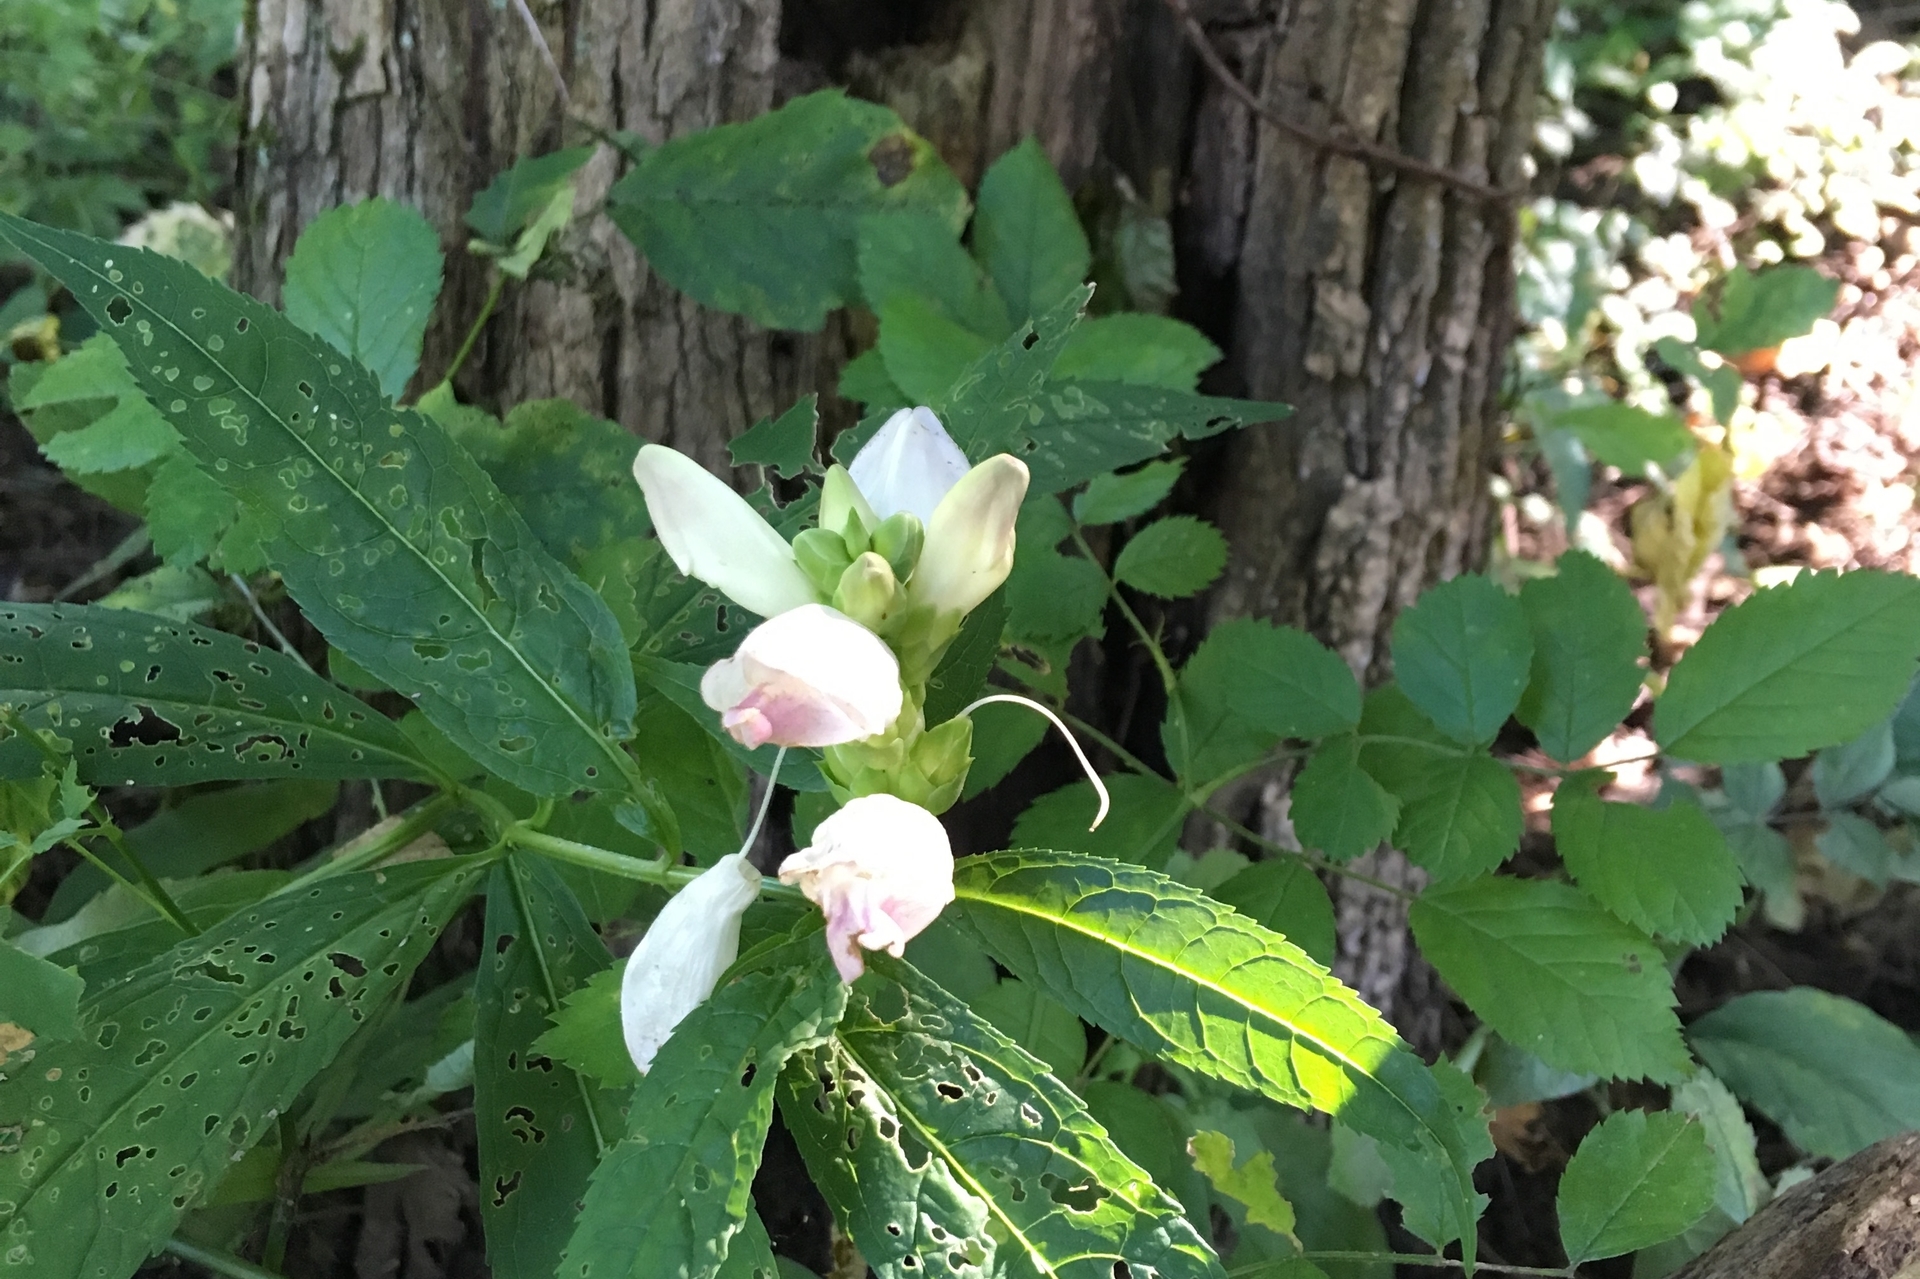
<point>892,159</point>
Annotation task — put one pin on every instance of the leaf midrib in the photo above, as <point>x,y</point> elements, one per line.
<point>565,703</point>
<point>1626,1196</point>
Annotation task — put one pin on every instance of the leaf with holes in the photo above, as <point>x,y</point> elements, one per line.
<point>1145,350</point>
<point>396,544</point>
<point>1555,975</point>
<point>1173,557</point>
<point>1252,1184</point>
<point>147,701</point>
<point>40,998</point>
<point>1636,1180</point>
<point>672,1195</point>
<point>1461,654</point>
<point>1793,668</point>
<point>946,1150</point>
<point>1667,870</point>
<point>1588,637</point>
<point>783,444</point>
<point>785,194</point>
<point>1183,977</point>
<point>184,1063</point>
<point>542,1128</point>
<point>363,278</point>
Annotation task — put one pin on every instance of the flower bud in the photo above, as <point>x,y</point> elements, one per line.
<point>822,555</point>
<point>711,533</point>
<point>909,465</point>
<point>899,540</point>
<point>677,964</point>
<point>866,591</point>
<point>880,870</point>
<point>844,510</point>
<point>969,549</point>
<point>810,677</point>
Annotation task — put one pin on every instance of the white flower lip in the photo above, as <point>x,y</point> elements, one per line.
<point>909,465</point>
<point>969,542</point>
<point>713,534</point>
<point>679,961</point>
<point>881,870</point>
<point>810,677</point>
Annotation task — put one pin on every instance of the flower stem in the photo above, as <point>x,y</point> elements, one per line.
<point>644,870</point>
<point>414,823</point>
<point>221,1263</point>
<point>480,322</point>
<point>1397,1259</point>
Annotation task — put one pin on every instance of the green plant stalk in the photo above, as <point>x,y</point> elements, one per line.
<point>552,990</point>
<point>1397,1259</point>
<point>634,868</point>
<point>417,821</point>
<point>221,1263</point>
<point>480,322</point>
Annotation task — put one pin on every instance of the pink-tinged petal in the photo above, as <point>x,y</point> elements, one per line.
<point>809,677</point>
<point>881,870</point>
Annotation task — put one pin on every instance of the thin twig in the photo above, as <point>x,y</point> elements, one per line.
<point>546,53</point>
<point>1339,144</point>
<point>260,616</point>
<point>221,1263</point>
<point>1397,1259</point>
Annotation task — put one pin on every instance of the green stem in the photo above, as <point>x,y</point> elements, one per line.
<point>1147,637</point>
<point>480,322</point>
<point>643,870</point>
<point>1397,1259</point>
<point>414,823</point>
<point>221,1263</point>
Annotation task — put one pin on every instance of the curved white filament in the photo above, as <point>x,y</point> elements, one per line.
<point>1099,787</point>
<point>766,800</point>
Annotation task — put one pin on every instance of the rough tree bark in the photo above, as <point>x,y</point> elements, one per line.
<point>1374,300</point>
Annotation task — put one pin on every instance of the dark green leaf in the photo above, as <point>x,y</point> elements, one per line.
<point>1054,597</point>
<point>945,1150</point>
<point>1844,773</point>
<point>1461,654</point>
<point>1459,811</point>
<point>782,444</point>
<point>397,546</point>
<point>1087,428</point>
<point>1025,232</point>
<point>1285,895</point>
<point>1187,979</point>
<point>1666,871</point>
<point>1588,637</point>
<point>924,351</point>
<point>672,1195</point>
<point>785,194</point>
<point>1793,668</point>
<point>541,1127</point>
<point>1338,808</point>
<point>585,1034</point>
<point>1108,499</point>
<point>154,702</point>
<point>521,191</point>
<point>1172,557</point>
<point>1145,350</point>
<point>1037,1022</point>
<point>40,998</point>
<point>1556,975</point>
<point>919,255</point>
<point>1759,310</point>
<point>1636,1180</point>
<point>1628,437</point>
<point>962,673</point>
<point>1143,826</point>
<point>186,1061</point>
<point>1855,844</point>
<point>1149,1132</point>
<point>364,278</point>
<point>1829,1071</point>
<point>1003,735</point>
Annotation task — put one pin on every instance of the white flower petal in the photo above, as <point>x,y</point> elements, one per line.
<point>880,870</point>
<point>713,534</point>
<point>810,677</point>
<point>677,964</point>
<point>969,544</point>
<point>909,465</point>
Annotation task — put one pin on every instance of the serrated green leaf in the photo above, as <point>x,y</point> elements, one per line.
<point>924,351</point>
<point>1087,428</point>
<point>1108,499</point>
<point>785,193</point>
<point>1793,668</point>
<point>1636,1180</point>
<point>1003,735</point>
<point>783,444</point>
<point>1555,975</point>
<point>1172,557</point>
<point>1252,1184</point>
<point>671,1196</point>
<point>864,380</point>
<point>1461,654</point>
<point>1459,811</point>
<point>185,1062</point>
<point>1143,826</point>
<point>1182,977</point>
<point>1248,685</point>
<point>117,932</point>
<point>1026,234</point>
<point>1054,597</point>
<point>1855,844</point>
<point>38,997</point>
<point>1833,1074</point>
<point>1285,895</point>
<point>1149,1132</point>
<point>1740,1189</point>
<point>397,546</point>
<point>154,702</point>
<point>1588,637</point>
<point>95,370</point>
<point>944,1149</point>
<point>1628,437</point>
<point>1843,773</point>
<point>541,1127</point>
<point>584,1034</point>
<point>962,673</point>
<point>127,436</point>
<point>187,511</point>
<point>175,592</point>
<point>363,278</point>
<point>1760,310</point>
<point>1144,350</point>
<point>1037,1022</point>
<point>1666,871</point>
<point>521,191</point>
<point>1338,808</point>
<point>919,255</point>
<point>1513,1076</point>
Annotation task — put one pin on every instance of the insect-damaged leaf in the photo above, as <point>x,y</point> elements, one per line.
<point>396,544</point>
<point>184,1063</point>
<point>950,1153</point>
<point>150,701</point>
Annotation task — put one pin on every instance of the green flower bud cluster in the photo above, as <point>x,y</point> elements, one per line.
<point>925,766</point>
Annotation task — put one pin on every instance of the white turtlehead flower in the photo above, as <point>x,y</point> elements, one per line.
<point>810,677</point>
<point>909,465</point>
<point>713,534</point>
<point>969,542</point>
<point>677,964</point>
<point>880,870</point>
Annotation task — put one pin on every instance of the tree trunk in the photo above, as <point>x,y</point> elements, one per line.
<point>1376,301</point>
